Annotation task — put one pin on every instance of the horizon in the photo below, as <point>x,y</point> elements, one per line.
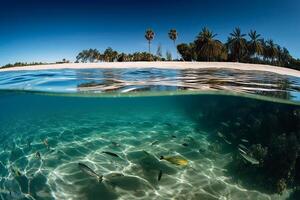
<point>49,31</point>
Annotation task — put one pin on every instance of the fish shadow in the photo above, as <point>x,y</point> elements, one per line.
<point>150,166</point>
<point>129,183</point>
<point>96,191</point>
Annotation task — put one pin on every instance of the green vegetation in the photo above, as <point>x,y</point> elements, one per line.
<point>237,49</point>
<point>149,35</point>
<point>22,64</point>
<point>240,47</point>
<point>110,55</point>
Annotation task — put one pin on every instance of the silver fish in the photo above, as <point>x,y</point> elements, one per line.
<point>90,172</point>
<point>220,135</point>
<point>228,142</point>
<point>242,151</point>
<point>110,153</point>
<point>244,140</point>
<point>225,124</point>
<point>243,147</point>
<point>223,137</point>
<point>253,161</point>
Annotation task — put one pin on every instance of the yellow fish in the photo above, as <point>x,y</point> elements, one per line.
<point>177,160</point>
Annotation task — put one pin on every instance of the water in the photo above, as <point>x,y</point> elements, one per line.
<point>70,117</point>
<point>152,81</point>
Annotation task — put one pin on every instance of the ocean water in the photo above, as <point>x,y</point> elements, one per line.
<point>239,142</point>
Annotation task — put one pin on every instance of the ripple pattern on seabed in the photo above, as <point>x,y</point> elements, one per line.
<point>56,175</point>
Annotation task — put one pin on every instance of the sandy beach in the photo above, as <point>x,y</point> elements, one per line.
<point>162,65</point>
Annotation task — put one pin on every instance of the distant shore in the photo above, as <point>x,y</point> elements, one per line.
<point>161,65</point>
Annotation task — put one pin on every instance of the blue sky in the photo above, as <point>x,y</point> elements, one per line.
<point>49,30</point>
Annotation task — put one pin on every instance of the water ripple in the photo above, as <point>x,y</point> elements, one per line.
<point>136,81</point>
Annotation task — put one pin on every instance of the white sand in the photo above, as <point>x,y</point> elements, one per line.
<point>163,65</point>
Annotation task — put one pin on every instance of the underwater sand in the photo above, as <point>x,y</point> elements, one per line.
<point>79,129</point>
<point>71,116</point>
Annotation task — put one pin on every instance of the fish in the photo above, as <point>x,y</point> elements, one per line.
<point>225,124</point>
<point>244,140</point>
<point>155,142</point>
<point>185,144</point>
<point>243,147</point>
<point>228,142</point>
<point>177,160</point>
<point>223,137</point>
<point>38,155</point>
<point>114,175</point>
<point>220,134</point>
<point>145,152</point>
<point>110,153</point>
<point>173,136</point>
<point>252,160</point>
<point>16,171</point>
<point>159,175</point>
<point>84,168</point>
<point>242,151</point>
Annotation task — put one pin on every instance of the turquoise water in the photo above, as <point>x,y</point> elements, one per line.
<point>149,81</point>
<point>206,129</point>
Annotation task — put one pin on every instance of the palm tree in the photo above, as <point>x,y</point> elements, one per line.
<point>237,44</point>
<point>83,56</point>
<point>110,55</point>
<point>283,56</point>
<point>286,56</point>
<point>93,55</point>
<point>149,35</point>
<point>187,51</point>
<point>271,50</point>
<point>173,35</point>
<point>207,46</point>
<point>255,46</point>
<point>123,57</point>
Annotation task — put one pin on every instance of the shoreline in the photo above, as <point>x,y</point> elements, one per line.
<point>161,65</point>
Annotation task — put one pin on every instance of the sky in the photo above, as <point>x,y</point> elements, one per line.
<point>50,30</point>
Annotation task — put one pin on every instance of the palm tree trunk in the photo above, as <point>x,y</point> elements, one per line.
<point>176,49</point>
<point>149,43</point>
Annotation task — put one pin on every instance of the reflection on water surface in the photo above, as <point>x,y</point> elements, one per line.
<point>130,81</point>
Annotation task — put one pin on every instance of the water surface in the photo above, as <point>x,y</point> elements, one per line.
<point>152,80</point>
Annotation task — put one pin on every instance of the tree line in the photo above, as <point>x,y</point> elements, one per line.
<point>22,64</point>
<point>110,55</point>
<point>240,47</point>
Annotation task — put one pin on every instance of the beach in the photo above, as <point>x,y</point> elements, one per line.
<point>162,65</point>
